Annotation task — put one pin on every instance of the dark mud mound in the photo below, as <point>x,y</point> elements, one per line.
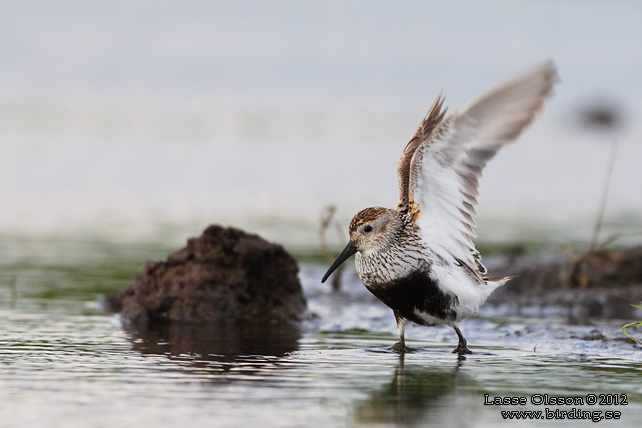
<point>225,274</point>
<point>596,284</point>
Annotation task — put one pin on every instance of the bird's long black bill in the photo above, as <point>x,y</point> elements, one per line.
<point>349,250</point>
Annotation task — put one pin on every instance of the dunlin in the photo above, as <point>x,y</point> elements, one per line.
<point>419,259</point>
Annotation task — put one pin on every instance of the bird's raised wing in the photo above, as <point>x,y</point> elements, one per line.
<point>440,167</point>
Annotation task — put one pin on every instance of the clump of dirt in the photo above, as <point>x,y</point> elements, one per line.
<point>595,284</point>
<point>225,274</point>
<point>599,268</point>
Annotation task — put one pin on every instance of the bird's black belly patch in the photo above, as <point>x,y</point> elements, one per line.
<point>417,291</point>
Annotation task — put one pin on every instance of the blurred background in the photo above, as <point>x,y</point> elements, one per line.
<point>138,120</point>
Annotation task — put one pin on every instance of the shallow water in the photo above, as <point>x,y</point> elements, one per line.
<point>64,362</point>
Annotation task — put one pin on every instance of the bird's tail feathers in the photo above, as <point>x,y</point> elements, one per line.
<point>496,281</point>
<point>501,279</point>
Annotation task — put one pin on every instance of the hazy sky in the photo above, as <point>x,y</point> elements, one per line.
<point>142,112</point>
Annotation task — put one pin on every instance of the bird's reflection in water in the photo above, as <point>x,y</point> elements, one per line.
<point>419,394</point>
<point>227,350</point>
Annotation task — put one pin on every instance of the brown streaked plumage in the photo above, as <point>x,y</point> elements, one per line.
<point>422,133</point>
<point>420,259</point>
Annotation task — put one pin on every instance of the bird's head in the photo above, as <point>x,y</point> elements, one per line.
<point>370,229</point>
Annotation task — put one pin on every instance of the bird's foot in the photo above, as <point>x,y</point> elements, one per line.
<point>401,348</point>
<point>462,349</point>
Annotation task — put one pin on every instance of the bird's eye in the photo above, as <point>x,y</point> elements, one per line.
<point>367,228</point>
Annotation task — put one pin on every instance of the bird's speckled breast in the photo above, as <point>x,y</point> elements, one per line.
<point>401,277</point>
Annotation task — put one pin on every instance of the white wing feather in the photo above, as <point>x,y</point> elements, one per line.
<point>445,168</point>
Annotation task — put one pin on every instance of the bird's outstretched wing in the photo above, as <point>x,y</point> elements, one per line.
<point>441,165</point>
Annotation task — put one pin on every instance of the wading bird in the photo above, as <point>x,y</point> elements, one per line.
<point>419,259</point>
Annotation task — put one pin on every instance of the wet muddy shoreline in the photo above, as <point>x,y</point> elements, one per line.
<point>591,285</point>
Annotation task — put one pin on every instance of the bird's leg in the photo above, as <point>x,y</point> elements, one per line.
<point>401,323</point>
<point>461,348</point>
